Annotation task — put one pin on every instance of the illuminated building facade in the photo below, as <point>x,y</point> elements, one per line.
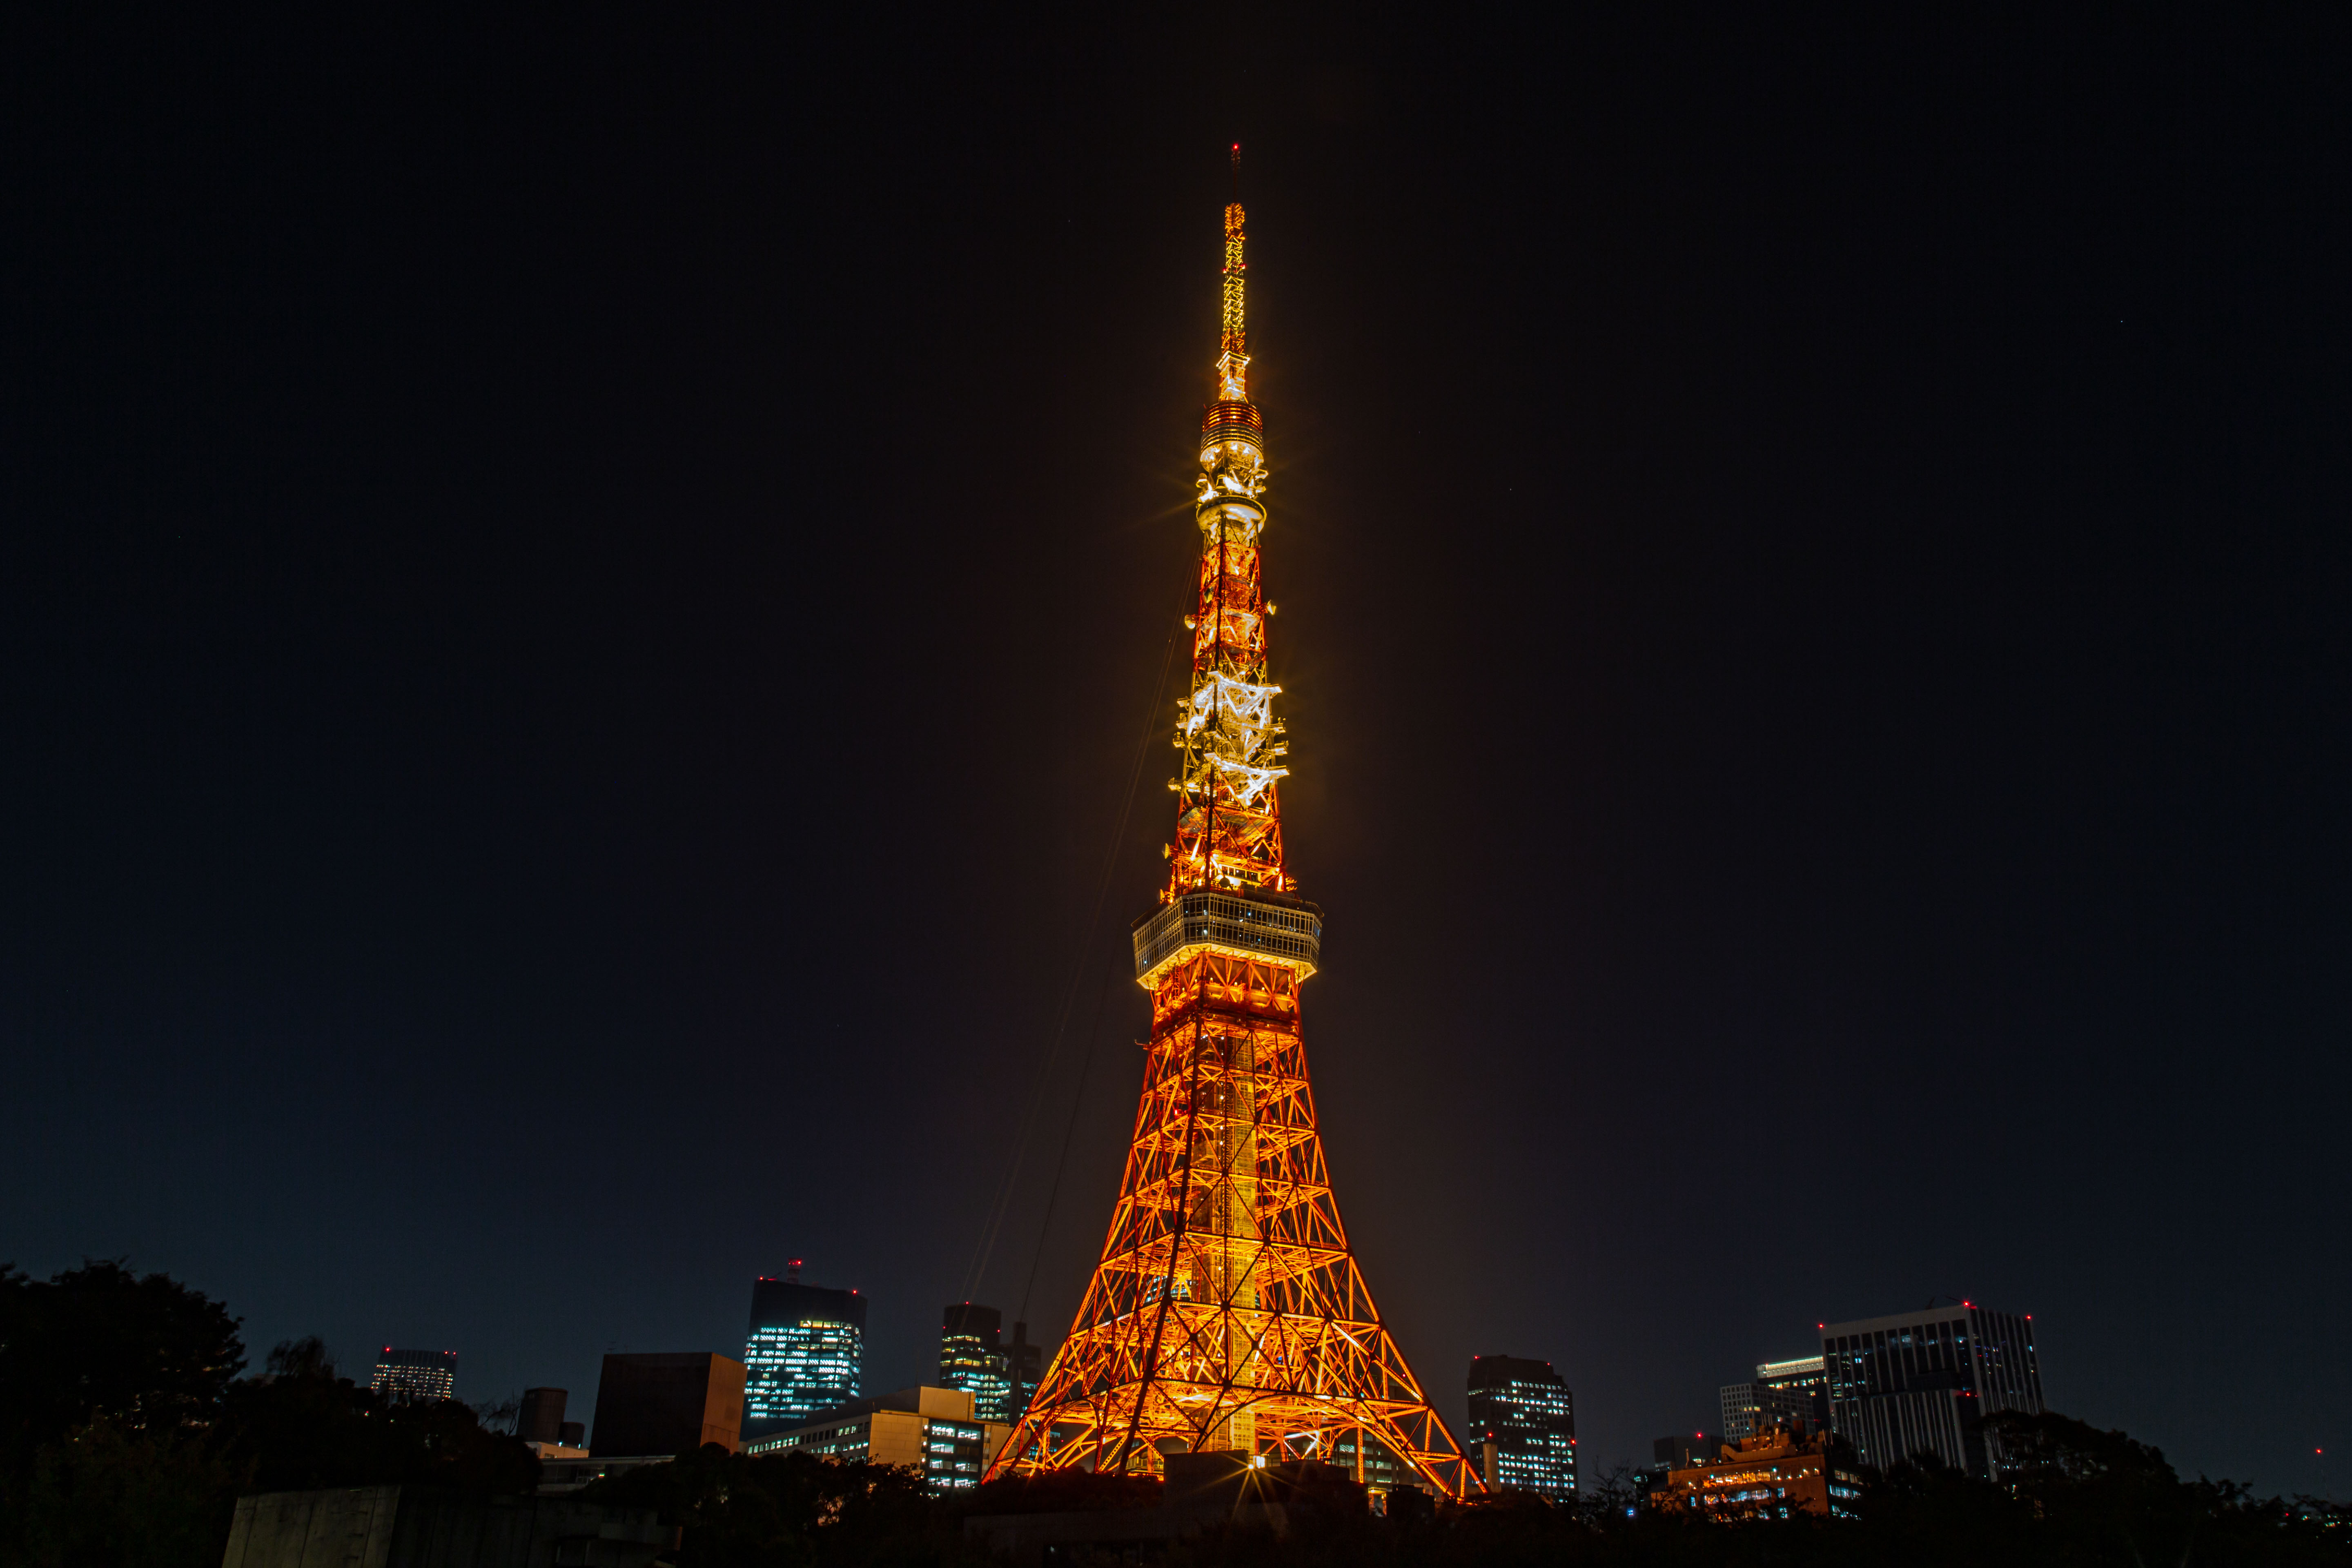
<point>806,1352</point>
<point>936,1431</point>
<point>1790,1393</point>
<point>1227,1313</point>
<point>1522,1432</point>
<point>415,1375</point>
<point>971,1360</point>
<point>1925,1382</point>
<point>1776,1476</point>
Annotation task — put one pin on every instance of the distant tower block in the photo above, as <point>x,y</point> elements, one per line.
<point>805,1351</point>
<point>413,1375</point>
<point>972,1359</point>
<point>1227,1312</point>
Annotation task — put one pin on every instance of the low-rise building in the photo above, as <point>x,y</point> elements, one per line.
<point>1771,1476</point>
<point>934,1431</point>
<point>563,1470</point>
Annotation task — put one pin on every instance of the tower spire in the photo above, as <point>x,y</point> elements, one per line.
<point>1228,820</point>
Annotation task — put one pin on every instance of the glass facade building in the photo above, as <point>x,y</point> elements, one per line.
<point>1924,1382</point>
<point>416,1374</point>
<point>805,1353</point>
<point>971,1360</point>
<point>1522,1430</point>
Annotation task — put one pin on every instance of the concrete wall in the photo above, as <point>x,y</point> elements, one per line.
<point>413,1527</point>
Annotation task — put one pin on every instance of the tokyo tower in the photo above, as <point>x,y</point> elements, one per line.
<point>1227,1311</point>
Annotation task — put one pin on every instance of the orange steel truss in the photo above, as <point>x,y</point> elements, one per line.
<point>1227,1311</point>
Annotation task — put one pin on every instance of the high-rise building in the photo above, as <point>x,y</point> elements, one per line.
<point>805,1353</point>
<point>1227,1312</point>
<point>416,1374</point>
<point>668,1404</point>
<point>1522,1431</point>
<point>934,1430</point>
<point>1793,1395</point>
<point>971,1360</point>
<point>1924,1382</point>
<point>1024,1363</point>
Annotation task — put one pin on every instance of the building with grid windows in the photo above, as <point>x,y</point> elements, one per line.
<point>416,1374</point>
<point>1924,1382</point>
<point>1793,1395</point>
<point>931,1430</point>
<point>971,1360</point>
<point>806,1352</point>
<point>1522,1431</point>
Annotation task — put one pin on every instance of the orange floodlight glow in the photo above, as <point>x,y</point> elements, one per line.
<point>1227,1312</point>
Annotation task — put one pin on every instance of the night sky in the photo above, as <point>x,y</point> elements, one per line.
<point>581,595</point>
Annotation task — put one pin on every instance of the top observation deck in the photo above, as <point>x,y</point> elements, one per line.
<point>1252,924</point>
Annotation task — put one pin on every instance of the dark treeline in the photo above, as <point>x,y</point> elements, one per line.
<point>128,1430</point>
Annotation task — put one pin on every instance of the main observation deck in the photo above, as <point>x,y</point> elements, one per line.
<point>1245,925</point>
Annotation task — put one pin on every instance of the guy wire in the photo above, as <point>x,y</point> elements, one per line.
<point>986,1247</point>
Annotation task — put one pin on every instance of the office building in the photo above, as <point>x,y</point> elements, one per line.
<point>1522,1433</point>
<point>1924,1382</point>
<point>1025,1365</point>
<point>668,1404</point>
<point>805,1353</point>
<point>1786,1394</point>
<point>934,1431</point>
<point>408,1375</point>
<point>1772,1477</point>
<point>971,1360</point>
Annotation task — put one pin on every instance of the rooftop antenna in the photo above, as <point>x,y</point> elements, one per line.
<point>1237,173</point>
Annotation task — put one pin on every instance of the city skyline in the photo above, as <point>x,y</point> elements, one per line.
<point>584,603</point>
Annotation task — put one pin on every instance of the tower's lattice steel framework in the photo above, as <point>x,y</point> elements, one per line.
<point>1227,1311</point>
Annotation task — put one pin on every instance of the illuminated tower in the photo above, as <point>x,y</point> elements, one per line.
<point>1227,1312</point>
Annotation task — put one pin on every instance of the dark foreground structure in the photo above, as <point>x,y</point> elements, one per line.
<point>1199,1494</point>
<point>668,1404</point>
<point>417,1527</point>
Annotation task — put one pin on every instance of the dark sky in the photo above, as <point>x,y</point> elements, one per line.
<point>580,595</point>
